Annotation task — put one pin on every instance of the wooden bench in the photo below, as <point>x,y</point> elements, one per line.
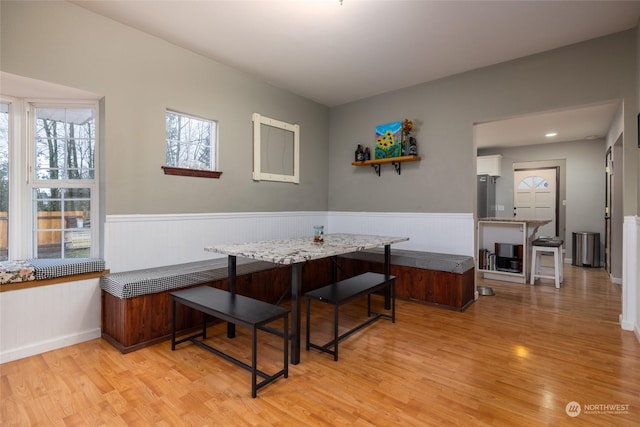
<point>136,305</point>
<point>344,291</point>
<point>443,280</point>
<point>237,309</point>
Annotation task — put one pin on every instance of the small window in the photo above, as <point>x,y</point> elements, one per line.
<point>191,142</point>
<point>533,182</point>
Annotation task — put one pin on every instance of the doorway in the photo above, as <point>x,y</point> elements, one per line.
<point>535,196</point>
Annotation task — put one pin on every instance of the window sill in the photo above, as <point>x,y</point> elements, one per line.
<point>170,170</point>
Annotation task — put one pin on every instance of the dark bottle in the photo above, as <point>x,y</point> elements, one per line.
<point>359,153</point>
<point>367,154</point>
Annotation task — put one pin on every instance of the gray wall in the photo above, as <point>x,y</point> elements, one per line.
<point>584,181</point>
<point>140,76</point>
<point>638,111</point>
<point>446,110</point>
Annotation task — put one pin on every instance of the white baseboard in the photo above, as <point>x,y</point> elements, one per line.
<point>48,345</point>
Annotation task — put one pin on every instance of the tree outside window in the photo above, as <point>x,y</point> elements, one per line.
<point>4,181</point>
<point>64,175</point>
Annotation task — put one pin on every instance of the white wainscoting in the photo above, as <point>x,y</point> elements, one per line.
<point>630,316</point>
<point>133,242</point>
<point>451,233</point>
<point>143,241</point>
<point>37,320</point>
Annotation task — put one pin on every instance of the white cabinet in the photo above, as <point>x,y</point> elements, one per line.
<point>489,165</point>
<point>510,232</point>
<point>510,267</point>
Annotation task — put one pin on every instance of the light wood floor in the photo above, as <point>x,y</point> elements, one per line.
<point>513,359</point>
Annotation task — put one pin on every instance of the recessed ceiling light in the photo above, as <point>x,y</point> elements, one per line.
<point>592,137</point>
<point>551,134</point>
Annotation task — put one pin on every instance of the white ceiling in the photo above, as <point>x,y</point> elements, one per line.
<point>576,124</point>
<point>336,53</point>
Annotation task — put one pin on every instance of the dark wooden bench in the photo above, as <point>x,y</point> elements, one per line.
<point>136,305</point>
<point>440,279</point>
<point>240,310</point>
<point>344,291</point>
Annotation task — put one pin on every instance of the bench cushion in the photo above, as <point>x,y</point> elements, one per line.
<point>131,284</point>
<point>426,260</point>
<point>52,268</point>
<point>40,269</point>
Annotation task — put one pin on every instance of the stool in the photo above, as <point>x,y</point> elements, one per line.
<point>546,245</point>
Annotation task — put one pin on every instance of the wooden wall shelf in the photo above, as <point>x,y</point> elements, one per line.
<point>396,161</point>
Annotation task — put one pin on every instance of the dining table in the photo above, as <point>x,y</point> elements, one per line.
<point>295,252</point>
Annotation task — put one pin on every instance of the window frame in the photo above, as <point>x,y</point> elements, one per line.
<point>258,174</point>
<point>11,131</point>
<point>31,183</point>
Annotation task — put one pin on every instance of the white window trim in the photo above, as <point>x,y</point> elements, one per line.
<point>18,222</point>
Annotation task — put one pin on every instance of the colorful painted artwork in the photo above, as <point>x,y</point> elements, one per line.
<point>388,140</point>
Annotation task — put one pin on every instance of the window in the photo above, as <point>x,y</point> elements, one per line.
<point>533,182</point>
<point>191,142</point>
<point>62,183</point>
<point>4,180</point>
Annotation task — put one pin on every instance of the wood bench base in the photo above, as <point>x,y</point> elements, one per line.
<point>344,291</point>
<point>237,309</point>
<point>439,288</point>
<point>130,324</point>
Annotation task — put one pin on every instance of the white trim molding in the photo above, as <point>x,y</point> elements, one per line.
<point>630,316</point>
<point>143,241</point>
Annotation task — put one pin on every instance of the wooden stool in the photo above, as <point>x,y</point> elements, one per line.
<point>540,246</point>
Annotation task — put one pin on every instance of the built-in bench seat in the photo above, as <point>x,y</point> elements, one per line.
<point>445,280</point>
<point>343,292</point>
<point>131,284</point>
<point>22,271</point>
<point>136,305</point>
<point>239,310</point>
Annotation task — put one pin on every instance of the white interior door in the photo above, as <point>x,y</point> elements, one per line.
<point>535,197</point>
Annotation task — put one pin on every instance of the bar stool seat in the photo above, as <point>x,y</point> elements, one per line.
<point>547,246</point>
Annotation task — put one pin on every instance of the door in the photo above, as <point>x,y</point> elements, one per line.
<point>535,196</point>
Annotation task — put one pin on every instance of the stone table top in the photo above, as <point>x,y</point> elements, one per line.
<point>291,251</point>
